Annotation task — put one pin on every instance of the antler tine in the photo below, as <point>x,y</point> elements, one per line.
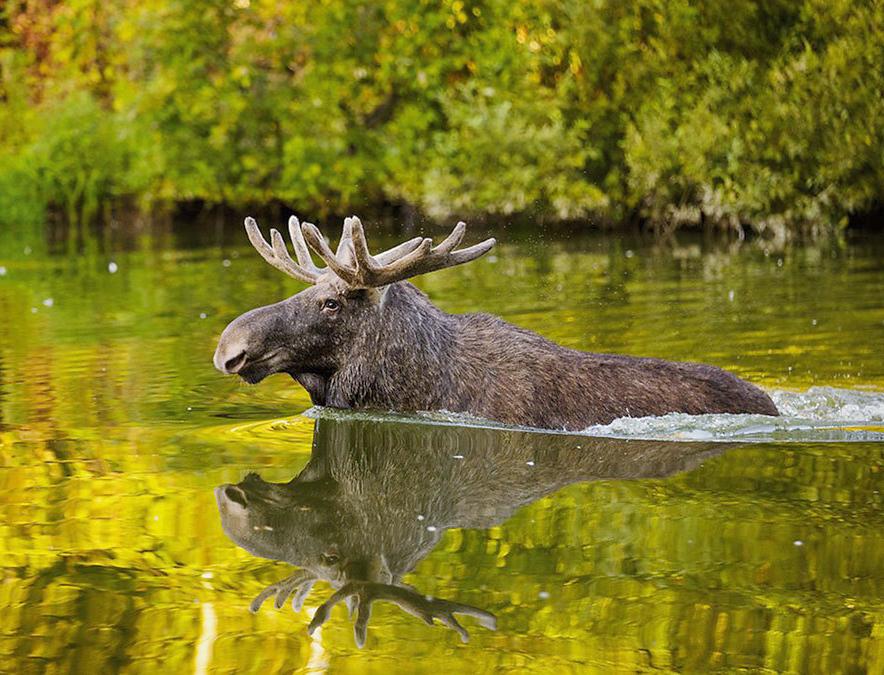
<point>305,260</point>
<point>407,247</point>
<point>465,255</point>
<point>373,264</point>
<point>407,598</point>
<point>399,251</point>
<point>344,252</point>
<point>365,263</point>
<point>300,583</point>
<point>363,614</point>
<point>444,610</point>
<point>420,252</point>
<point>277,257</point>
<point>452,240</point>
<point>320,616</point>
<point>317,243</point>
<point>426,259</point>
<point>301,594</point>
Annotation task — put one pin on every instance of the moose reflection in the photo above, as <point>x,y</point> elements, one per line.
<point>375,498</point>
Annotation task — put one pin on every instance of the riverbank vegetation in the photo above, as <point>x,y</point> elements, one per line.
<point>736,115</point>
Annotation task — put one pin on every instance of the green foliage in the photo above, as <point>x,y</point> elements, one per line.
<point>761,114</point>
<point>790,142</point>
<point>79,156</point>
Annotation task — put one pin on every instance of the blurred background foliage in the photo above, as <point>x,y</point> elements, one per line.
<point>764,115</point>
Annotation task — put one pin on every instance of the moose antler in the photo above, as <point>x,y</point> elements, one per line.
<point>299,583</point>
<point>352,261</point>
<point>428,609</point>
<point>278,255</point>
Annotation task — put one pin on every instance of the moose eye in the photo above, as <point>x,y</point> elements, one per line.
<point>331,304</point>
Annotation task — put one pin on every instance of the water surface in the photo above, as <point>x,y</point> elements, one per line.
<point>699,544</point>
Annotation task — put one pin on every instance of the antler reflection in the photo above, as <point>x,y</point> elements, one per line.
<point>366,592</point>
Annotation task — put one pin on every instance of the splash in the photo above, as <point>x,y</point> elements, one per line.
<point>816,415</point>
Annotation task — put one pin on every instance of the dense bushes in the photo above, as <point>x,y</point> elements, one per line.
<point>766,114</point>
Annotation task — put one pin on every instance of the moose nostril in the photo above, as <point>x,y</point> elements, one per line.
<point>235,494</point>
<point>234,364</point>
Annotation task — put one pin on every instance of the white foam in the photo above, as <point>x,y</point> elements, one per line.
<point>816,415</point>
<point>829,403</point>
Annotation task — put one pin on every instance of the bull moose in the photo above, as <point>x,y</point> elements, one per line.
<point>375,499</point>
<point>361,336</point>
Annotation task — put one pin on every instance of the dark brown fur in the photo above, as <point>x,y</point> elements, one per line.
<point>392,349</point>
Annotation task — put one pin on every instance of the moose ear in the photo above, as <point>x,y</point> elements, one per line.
<point>381,295</point>
<point>378,571</point>
<point>368,294</point>
<point>314,471</point>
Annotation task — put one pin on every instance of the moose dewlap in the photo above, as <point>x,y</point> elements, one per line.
<point>361,336</point>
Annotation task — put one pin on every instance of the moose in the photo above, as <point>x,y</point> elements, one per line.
<point>375,499</point>
<point>361,336</point>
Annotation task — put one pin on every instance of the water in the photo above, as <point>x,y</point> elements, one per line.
<point>677,543</point>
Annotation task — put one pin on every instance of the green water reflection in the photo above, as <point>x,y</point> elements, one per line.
<point>115,430</point>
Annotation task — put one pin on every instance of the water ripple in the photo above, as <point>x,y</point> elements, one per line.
<point>820,414</point>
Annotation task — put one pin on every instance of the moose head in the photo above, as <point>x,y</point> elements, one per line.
<point>333,323</point>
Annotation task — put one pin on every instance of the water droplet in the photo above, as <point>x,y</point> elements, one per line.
<point>48,302</point>
<point>543,595</point>
<point>112,267</point>
<point>530,462</point>
<point>431,528</point>
<point>420,517</point>
<point>798,542</point>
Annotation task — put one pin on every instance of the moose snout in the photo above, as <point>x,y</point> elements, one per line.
<point>226,494</point>
<point>249,340</point>
<point>229,358</point>
<point>231,354</point>
<point>235,363</point>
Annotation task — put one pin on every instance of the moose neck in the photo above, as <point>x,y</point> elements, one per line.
<point>404,364</point>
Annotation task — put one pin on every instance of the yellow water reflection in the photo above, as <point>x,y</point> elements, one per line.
<point>115,431</point>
